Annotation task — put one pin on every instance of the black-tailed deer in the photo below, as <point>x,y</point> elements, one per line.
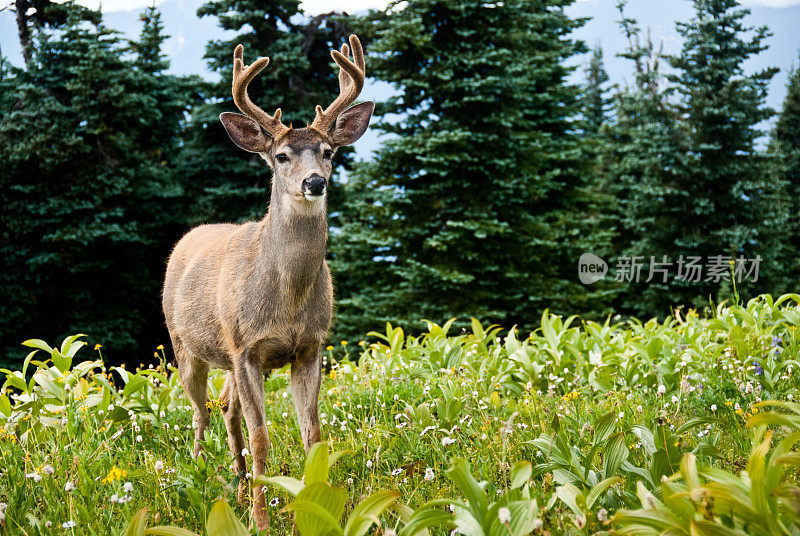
<point>253,297</point>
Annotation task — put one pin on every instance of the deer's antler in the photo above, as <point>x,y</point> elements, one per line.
<point>242,76</point>
<point>351,82</point>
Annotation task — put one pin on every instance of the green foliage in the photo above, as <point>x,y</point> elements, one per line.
<point>786,143</point>
<point>710,501</point>
<point>88,133</point>
<point>560,429</point>
<point>684,164</point>
<point>476,206</point>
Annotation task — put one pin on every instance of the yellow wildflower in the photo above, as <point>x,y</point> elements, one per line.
<point>160,347</point>
<point>329,348</point>
<point>344,343</point>
<point>114,474</point>
<point>97,346</point>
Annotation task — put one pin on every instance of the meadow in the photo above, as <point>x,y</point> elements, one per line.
<point>686,426</point>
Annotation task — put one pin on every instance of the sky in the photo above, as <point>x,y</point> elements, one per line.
<point>314,7</point>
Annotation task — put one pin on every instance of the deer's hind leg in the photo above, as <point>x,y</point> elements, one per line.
<point>193,374</point>
<point>232,414</point>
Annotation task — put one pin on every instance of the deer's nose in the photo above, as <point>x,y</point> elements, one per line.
<point>314,186</point>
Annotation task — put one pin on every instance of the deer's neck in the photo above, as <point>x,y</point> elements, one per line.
<point>293,245</point>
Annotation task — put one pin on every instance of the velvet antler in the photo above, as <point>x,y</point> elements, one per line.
<point>242,76</point>
<point>351,82</point>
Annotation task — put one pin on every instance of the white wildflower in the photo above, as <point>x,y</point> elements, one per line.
<point>504,514</point>
<point>69,486</point>
<point>159,465</point>
<point>429,474</point>
<point>447,441</point>
<point>127,487</point>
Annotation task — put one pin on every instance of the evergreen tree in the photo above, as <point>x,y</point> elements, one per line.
<point>227,184</point>
<point>643,158</point>
<point>475,207</point>
<point>86,147</point>
<point>732,207</point>
<point>786,142</point>
<point>596,103</point>
<point>692,182</point>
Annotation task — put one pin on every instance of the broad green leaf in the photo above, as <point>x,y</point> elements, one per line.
<point>615,451</point>
<point>520,473</point>
<point>222,521</point>
<point>572,497</point>
<point>423,519</point>
<point>598,490</point>
<point>38,344</point>
<point>317,464</point>
<point>169,531</point>
<point>327,504</point>
<point>367,512</point>
<point>460,475</point>
<point>290,485</point>
<point>138,523</point>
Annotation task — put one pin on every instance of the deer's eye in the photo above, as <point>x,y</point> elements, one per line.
<point>327,154</point>
<point>281,157</point>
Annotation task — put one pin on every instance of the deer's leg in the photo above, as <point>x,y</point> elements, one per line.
<point>232,414</point>
<point>193,374</point>
<point>305,381</point>
<point>250,385</point>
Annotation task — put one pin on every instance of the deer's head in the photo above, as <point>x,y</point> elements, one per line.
<point>300,158</point>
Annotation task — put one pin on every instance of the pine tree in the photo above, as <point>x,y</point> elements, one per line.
<point>786,143</point>
<point>475,206</point>
<point>692,182</point>
<point>227,184</point>
<point>85,146</point>
<point>596,103</point>
<point>643,159</point>
<point>732,207</point>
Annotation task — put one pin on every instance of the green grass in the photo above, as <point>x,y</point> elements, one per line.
<point>609,418</point>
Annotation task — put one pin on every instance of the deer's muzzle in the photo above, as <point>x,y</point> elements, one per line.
<point>314,186</point>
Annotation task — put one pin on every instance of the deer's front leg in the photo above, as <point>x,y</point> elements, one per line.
<point>305,381</point>
<point>250,384</point>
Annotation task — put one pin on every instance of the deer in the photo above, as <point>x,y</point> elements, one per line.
<point>254,297</point>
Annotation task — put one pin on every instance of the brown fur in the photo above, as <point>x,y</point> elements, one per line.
<point>253,297</point>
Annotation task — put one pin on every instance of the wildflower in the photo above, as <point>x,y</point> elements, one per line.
<point>274,502</point>
<point>245,452</point>
<point>661,389</point>
<point>580,521</point>
<point>429,474</point>
<point>114,498</point>
<point>69,486</point>
<point>329,348</point>
<point>34,475</point>
<point>369,464</point>
<point>602,515</point>
<point>127,487</point>
<point>48,469</point>
<point>97,347</point>
<point>776,341</point>
<point>389,532</point>
<point>396,472</point>
<point>160,347</point>
<point>159,465</point>
<point>139,438</point>
<point>344,343</point>
<point>69,524</point>
<point>713,407</point>
<point>447,441</point>
<point>504,514</point>
<point>114,474</point>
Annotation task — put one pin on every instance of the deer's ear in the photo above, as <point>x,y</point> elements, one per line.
<point>245,132</point>
<point>351,124</point>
